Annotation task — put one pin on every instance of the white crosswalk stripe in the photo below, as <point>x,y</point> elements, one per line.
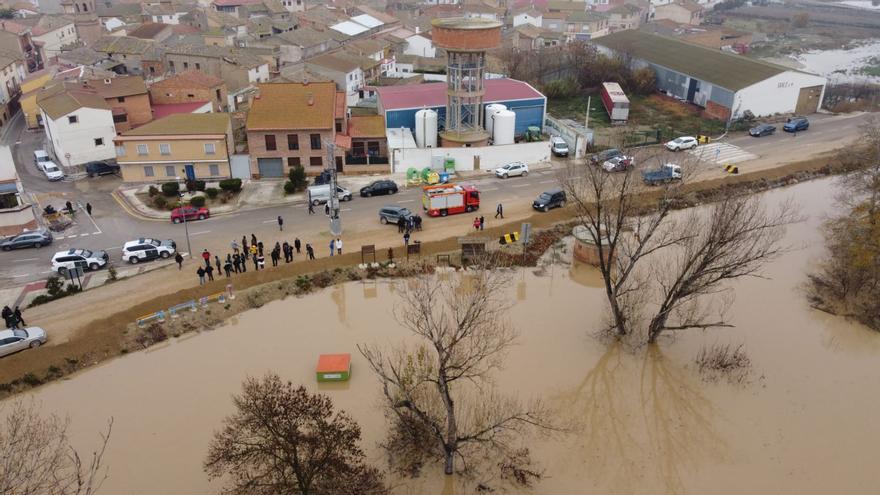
<point>722,153</point>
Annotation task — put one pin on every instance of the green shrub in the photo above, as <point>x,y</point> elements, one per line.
<point>197,201</point>
<point>195,185</point>
<point>159,202</point>
<point>289,188</point>
<point>153,191</point>
<point>212,192</point>
<point>561,88</point>
<point>231,185</point>
<point>170,189</point>
<point>297,176</point>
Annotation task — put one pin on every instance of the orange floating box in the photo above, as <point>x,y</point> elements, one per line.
<point>334,367</point>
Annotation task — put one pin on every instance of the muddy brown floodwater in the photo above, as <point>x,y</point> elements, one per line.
<point>805,423</point>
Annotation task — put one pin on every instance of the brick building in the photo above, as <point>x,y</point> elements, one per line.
<point>188,87</point>
<point>127,98</point>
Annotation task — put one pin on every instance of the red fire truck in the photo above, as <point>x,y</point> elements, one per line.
<point>448,199</point>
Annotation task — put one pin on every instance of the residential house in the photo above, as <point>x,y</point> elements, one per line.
<point>294,5</point>
<point>152,31</point>
<point>212,21</point>
<point>368,152</point>
<point>16,41</point>
<point>553,21</point>
<point>420,44</point>
<point>85,18</point>
<point>527,37</point>
<point>127,98</point>
<point>114,13</point>
<point>585,25</point>
<point>52,32</point>
<point>16,212</point>
<point>12,73</point>
<point>188,87</point>
<point>304,43</point>
<point>566,6</point>
<point>237,68</point>
<point>78,124</point>
<point>681,11</point>
<point>128,52</point>
<point>482,11</point>
<point>345,71</point>
<point>165,12</point>
<point>626,16</point>
<point>528,16</point>
<point>233,7</point>
<point>28,100</point>
<point>182,145</point>
<point>289,125</point>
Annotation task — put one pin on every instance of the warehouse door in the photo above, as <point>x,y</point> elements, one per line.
<point>270,167</point>
<point>693,87</point>
<point>808,100</point>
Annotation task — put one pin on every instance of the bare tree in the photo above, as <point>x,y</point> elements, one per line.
<point>439,393</point>
<point>283,439</point>
<point>36,457</point>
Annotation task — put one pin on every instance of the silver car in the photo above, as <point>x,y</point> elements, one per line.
<point>12,341</point>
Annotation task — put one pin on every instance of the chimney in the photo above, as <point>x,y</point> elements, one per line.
<point>418,30</point>
<point>310,99</point>
<point>108,81</point>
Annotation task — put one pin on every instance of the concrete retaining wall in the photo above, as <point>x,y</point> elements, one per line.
<point>482,158</point>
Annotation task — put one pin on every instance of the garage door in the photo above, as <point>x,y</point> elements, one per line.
<point>270,167</point>
<point>808,100</point>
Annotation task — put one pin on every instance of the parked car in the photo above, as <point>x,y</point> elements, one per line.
<point>12,341</point>
<point>101,168</point>
<point>512,169</point>
<point>83,258</point>
<point>618,163</point>
<point>323,178</point>
<point>41,156</point>
<point>51,170</point>
<point>682,143</point>
<point>603,156</point>
<point>667,173</point>
<point>145,249</point>
<point>391,214</point>
<point>554,198</point>
<point>379,187</point>
<point>189,213</point>
<point>795,124</point>
<point>34,238</point>
<point>558,146</point>
<point>762,130</point>
<point>321,194</point>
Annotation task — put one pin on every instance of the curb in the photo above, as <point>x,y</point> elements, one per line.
<point>130,209</point>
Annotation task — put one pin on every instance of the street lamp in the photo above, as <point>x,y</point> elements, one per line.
<point>185,226</point>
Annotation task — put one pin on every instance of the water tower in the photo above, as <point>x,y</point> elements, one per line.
<point>466,42</point>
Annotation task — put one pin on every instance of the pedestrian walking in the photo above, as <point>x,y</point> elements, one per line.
<point>311,208</point>
<point>418,222</point>
<point>280,223</point>
<point>201,273</point>
<point>476,223</point>
<point>253,250</point>
<point>287,252</point>
<point>243,260</point>
<point>261,261</point>
<point>244,245</point>
<point>391,254</point>
<point>406,239</point>
<point>217,262</point>
<point>327,208</point>
<point>207,257</point>
<point>18,318</point>
<point>69,207</point>
<point>89,208</point>
<point>310,250</point>
<point>179,259</point>
<point>210,272</point>
<point>499,211</point>
<point>260,248</point>
<point>339,246</point>
<point>332,246</point>
<point>256,265</point>
<point>275,257</point>
<point>236,263</point>
<point>228,268</point>
<point>8,316</point>
<point>482,222</point>
<point>253,239</point>
<point>297,245</point>
<point>234,246</point>
<point>400,223</point>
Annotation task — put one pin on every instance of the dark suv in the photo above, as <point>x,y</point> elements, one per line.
<point>554,198</point>
<point>603,156</point>
<point>795,124</point>
<point>391,214</point>
<point>379,187</point>
<point>101,168</point>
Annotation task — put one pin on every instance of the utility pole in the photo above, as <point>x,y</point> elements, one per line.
<point>185,226</point>
<point>587,118</point>
<point>333,202</point>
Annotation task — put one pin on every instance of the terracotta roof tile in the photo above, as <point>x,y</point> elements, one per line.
<point>184,124</point>
<point>286,106</point>
<point>366,126</point>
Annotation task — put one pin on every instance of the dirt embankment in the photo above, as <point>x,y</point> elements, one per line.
<point>99,319</point>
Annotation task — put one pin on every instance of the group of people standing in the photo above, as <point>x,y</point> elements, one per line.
<point>12,317</point>
<point>252,252</point>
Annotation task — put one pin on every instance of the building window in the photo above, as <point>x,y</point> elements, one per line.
<point>169,171</point>
<point>120,118</point>
<point>165,149</point>
<point>186,65</point>
<point>339,127</point>
<point>293,161</point>
<point>270,142</point>
<point>171,65</point>
<point>148,171</point>
<point>71,119</point>
<point>198,66</point>
<point>217,92</point>
<point>292,142</point>
<point>143,149</point>
<point>120,150</point>
<point>189,95</point>
<point>214,170</point>
<point>99,141</point>
<point>316,161</point>
<point>210,149</point>
<point>120,99</point>
<point>152,70</point>
<point>315,141</point>
<point>373,148</point>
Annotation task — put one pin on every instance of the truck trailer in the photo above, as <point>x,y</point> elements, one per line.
<point>448,199</point>
<point>615,101</point>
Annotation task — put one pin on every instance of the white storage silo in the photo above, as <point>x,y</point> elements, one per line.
<point>491,109</point>
<point>426,128</point>
<point>504,127</point>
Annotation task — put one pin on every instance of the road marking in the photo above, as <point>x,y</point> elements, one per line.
<point>28,259</point>
<point>406,201</point>
<point>547,181</point>
<point>83,235</point>
<point>490,189</point>
<point>269,221</point>
<point>95,233</point>
<point>112,248</point>
<point>19,276</point>
<point>48,271</point>
<point>345,209</point>
<point>521,185</point>
<point>202,232</point>
<point>59,237</point>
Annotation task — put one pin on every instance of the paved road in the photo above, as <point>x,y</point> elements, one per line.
<point>110,226</point>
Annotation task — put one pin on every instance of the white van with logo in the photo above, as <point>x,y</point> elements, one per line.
<point>321,194</point>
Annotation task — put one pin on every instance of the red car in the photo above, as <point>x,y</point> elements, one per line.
<point>190,212</point>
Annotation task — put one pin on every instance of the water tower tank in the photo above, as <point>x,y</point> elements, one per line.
<point>491,109</point>
<point>426,128</point>
<point>504,126</point>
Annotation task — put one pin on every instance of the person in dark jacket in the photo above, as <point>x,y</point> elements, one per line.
<point>201,273</point>
<point>310,251</point>
<point>18,318</point>
<point>297,245</point>
<point>228,268</point>
<point>209,270</point>
<point>217,262</point>
<point>179,259</point>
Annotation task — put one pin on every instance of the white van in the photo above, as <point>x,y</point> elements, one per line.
<point>321,194</point>
<point>558,146</point>
<point>40,157</point>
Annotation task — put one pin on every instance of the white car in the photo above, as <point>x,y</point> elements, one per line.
<point>682,143</point>
<point>618,163</point>
<point>51,170</point>
<point>512,169</point>
<point>72,258</point>
<point>12,341</point>
<point>145,249</point>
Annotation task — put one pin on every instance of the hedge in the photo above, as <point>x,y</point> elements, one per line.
<point>212,192</point>
<point>197,201</point>
<point>231,185</point>
<point>170,188</point>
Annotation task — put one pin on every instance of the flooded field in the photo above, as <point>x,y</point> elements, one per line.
<point>804,423</point>
<point>844,65</point>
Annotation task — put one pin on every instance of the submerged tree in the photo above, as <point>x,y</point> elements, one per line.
<point>439,393</point>
<point>36,457</point>
<point>283,439</point>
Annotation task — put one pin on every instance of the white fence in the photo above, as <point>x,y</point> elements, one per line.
<point>474,158</point>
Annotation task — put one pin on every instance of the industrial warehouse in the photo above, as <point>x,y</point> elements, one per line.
<point>726,85</point>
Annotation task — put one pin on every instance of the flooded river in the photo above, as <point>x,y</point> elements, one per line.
<point>805,423</point>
